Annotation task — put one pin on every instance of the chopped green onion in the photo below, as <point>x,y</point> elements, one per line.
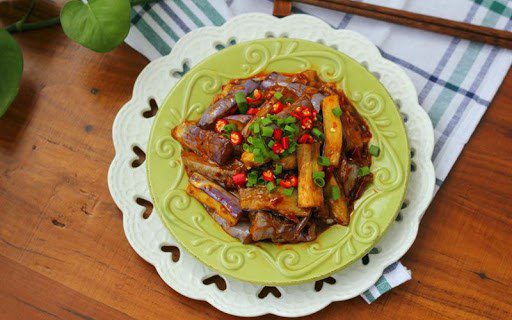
<point>241,101</point>
<point>252,178</point>
<point>255,128</point>
<point>290,128</point>
<point>228,128</point>
<point>335,193</point>
<point>267,131</point>
<point>259,158</point>
<point>278,169</point>
<point>318,174</point>
<point>246,147</point>
<point>337,111</point>
<point>278,95</point>
<point>272,117</point>
<point>324,161</point>
<point>256,151</point>
<point>253,174</point>
<point>271,143</point>
<point>287,192</point>
<point>288,100</point>
<point>270,186</point>
<point>266,121</point>
<point>363,171</point>
<point>319,178</point>
<point>250,139</point>
<point>289,120</point>
<point>280,121</point>
<point>317,133</point>
<point>374,150</point>
<point>319,182</point>
<point>274,156</point>
<point>292,148</point>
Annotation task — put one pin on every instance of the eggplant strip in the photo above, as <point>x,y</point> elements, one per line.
<point>265,226</point>
<point>207,201</point>
<point>262,112</point>
<point>241,230</point>
<point>338,207</point>
<point>258,198</point>
<point>310,195</point>
<point>276,79</point>
<point>218,194</point>
<point>288,163</point>
<point>224,105</point>
<point>206,143</point>
<point>242,118</point>
<point>347,174</point>
<point>224,175</point>
<point>333,130</point>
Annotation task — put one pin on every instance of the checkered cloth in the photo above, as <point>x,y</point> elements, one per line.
<point>455,79</point>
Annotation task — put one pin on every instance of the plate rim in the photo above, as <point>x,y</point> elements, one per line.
<point>335,267</point>
<point>141,95</point>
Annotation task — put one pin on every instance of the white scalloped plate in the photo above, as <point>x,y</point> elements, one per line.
<point>147,236</point>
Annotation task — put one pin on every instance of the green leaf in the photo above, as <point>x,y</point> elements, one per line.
<point>11,68</point>
<point>100,25</point>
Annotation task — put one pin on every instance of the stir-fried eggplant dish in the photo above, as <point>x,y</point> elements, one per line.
<point>278,157</point>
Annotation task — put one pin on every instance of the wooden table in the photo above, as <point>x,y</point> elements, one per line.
<point>63,253</point>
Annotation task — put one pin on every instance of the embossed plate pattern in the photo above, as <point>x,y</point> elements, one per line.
<point>148,236</point>
<point>267,263</point>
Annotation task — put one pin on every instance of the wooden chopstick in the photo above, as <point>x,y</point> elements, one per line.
<point>282,8</point>
<point>463,30</point>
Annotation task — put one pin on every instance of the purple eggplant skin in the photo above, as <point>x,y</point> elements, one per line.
<point>194,163</point>
<point>316,101</point>
<point>206,143</point>
<point>242,118</point>
<point>217,193</point>
<point>266,226</point>
<point>276,79</point>
<point>239,231</point>
<point>224,105</point>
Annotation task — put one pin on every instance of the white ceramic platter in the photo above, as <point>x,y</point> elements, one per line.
<point>151,240</point>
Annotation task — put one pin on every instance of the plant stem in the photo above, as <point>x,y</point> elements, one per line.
<point>18,27</point>
<point>29,12</point>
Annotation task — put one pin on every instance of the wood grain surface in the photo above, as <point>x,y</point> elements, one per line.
<point>63,253</point>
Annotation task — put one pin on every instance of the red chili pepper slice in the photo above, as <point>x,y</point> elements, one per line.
<point>306,112</point>
<point>277,107</point>
<point>240,179</point>
<point>285,183</point>
<point>306,123</point>
<point>219,125</point>
<point>236,138</point>
<point>285,141</point>
<point>306,138</point>
<point>252,111</point>
<point>277,148</point>
<point>278,134</point>
<point>268,175</point>
<point>296,115</point>
<point>257,96</point>
<point>293,181</point>
<point>290,182</point>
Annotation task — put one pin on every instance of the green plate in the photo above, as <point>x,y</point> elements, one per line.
<point>267,263</point>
